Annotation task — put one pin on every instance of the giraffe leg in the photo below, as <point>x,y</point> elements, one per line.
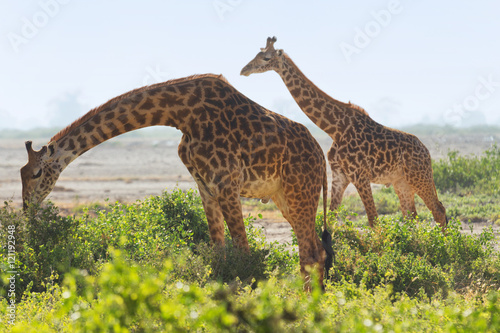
<point>422,182</point>
<point>406,197</point>
<point>339,184</point>
<point>214,215</point>
<point>230,204</point>
<point>302,219</point>
<point>365,192</point>
<point>427,192</point>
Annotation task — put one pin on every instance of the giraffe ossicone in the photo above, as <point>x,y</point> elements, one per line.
<point>232,147</point>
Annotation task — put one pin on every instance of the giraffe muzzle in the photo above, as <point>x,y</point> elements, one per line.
<point>245,71</point>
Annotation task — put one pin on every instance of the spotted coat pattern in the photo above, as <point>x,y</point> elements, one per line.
<point>232,147</point>
<point>363,151</point>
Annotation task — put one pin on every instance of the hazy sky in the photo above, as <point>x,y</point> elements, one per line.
<point>404,61</point>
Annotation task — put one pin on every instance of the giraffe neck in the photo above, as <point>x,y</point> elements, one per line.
<point>170,104</point>
<point>329,114</point>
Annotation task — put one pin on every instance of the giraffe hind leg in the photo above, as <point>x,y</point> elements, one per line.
<point>365,192</point>
<point>339,184</point>
<point>339,179</point>
<point>302,219</point>
<point>406,197</point>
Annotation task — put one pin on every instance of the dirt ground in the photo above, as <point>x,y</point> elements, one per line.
<point>129,169</point>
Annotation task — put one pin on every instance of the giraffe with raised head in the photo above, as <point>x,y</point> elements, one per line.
<point>363,151</point>
<point>232,147</point>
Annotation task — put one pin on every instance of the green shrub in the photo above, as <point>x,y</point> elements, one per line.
<point>127,297</point>
<point>171,225</point>
<point>459,174</point>
<point>149,230</point>
<point>146,267</point>
<point>43,245</point>
<point>414,256</point>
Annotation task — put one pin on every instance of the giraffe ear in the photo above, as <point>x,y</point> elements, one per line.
<point>280,52</point>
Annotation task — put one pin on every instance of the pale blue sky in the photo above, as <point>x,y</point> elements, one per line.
<point>427,61</point>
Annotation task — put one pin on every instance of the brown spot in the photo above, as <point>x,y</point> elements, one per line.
<point>214,163</point>
<point>88,128</point>
<point>319,103</point>
<point>295,92</point>
<point>210,93</point>
<point>123,118</point>
<point>101,133</point>
<point>71,144</point>
<point>147,105</point>
<point>304,103</point>
<point>156,117</point>
<point>96,119</point>
<point>109,115</point>
<point>183,114</point>
<point>170,100</point>
<point>140,118</point>
<point>95,141</point>
<point>195,98</point>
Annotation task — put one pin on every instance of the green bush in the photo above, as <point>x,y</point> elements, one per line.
<point>172,225</point>
<point>126,297</point>
<point>148,267</point>
<point>415,257</point>
<point>42,242</point>
<point>459,174</point>
<point>49,245</point>
<point>149,230</point>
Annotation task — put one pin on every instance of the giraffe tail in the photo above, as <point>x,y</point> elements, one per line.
<point>326,237</point>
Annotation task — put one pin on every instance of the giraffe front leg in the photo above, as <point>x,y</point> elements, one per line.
<point>230,204</point>
<point>365,192</point>
<point>214,215</point>
<point>427,192</point>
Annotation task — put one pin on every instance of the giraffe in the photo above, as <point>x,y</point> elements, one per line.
<point>363,151</point>
<point>232,147</point>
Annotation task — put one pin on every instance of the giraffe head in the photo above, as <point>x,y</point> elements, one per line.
<point>267,59</point>
<point>40,174</point>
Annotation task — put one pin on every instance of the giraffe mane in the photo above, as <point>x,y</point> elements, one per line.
<point>324,94</point>
<point>112,101</point>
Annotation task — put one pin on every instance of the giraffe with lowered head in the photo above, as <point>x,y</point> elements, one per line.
<point>232,147</point>
<point>363,151</point>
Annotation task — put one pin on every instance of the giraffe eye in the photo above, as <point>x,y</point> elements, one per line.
<point>38,174</point>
